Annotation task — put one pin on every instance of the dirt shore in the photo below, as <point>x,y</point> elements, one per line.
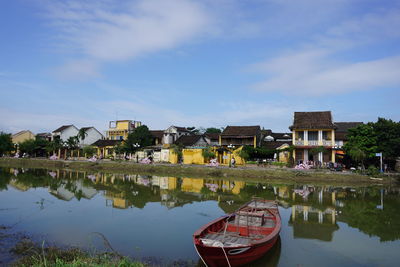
<point>248,173</point>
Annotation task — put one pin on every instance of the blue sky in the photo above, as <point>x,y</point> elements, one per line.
<point>196,63</point>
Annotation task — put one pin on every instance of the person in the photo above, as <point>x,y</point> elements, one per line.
<point>233,161</point>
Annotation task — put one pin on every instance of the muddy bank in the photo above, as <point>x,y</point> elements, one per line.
<point>256,174</point>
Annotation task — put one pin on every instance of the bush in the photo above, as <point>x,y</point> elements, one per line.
<point>89,151</point>
<point>372,170</point>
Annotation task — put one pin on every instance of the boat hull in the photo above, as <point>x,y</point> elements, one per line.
<point>237,256</point>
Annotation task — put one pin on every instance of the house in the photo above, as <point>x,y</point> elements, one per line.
<point>64,132</point>
<point>172,134</point>
<point>105,147</point>
<point>120,129</point>
<point>157,136</point>
<point>44,136</point>
<point>212,138</point>
<point>192,141</point>
<point>240,135</point>
<point>342,131</point>
<point>22,136</point>
<point>279,142</point>
<point>312,130</point>
<point>91,136</point>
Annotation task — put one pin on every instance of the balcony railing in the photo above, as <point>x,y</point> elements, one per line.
<point>326,142</point>
<point>313,143</point>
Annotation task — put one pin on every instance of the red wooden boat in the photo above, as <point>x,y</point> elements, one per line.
<point>241,237</point>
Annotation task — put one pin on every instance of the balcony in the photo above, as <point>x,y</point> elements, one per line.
<point>313,143</point>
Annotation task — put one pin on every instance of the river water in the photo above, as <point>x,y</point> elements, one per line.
<point>152,218</point>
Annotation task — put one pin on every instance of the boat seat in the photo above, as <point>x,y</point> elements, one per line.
<point>228,240</point>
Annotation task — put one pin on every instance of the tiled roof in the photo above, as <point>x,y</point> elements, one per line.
<point>181,129</point>
<point>281,135</point>
<point>106,142</point>
<point>87,128</point>
<point>241,131</point>
<point>21,132</point>
<point>157,133</point>
<point>62,128</point>
<point>188,140</point>
<point>343,128</point>
<point>274,144</point>
<point>212,136</point>
<point>313,120</point>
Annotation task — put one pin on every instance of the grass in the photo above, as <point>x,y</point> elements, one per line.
<point>32,254</point>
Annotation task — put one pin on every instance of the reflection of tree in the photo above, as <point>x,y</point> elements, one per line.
<point>363,214</point>
<point>5,178</point>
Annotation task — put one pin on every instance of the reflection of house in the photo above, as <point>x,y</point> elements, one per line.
<point>91,136</point>
<point>313,130</point>
<point>312,223</point>
<point>77,186</point>
<point>19,186</point>
<point>173,133</point>
<point>64,132</point>
<point>241,135</point>
<point>22,136</point>
<point>105,147</point>
<point>120,129</point>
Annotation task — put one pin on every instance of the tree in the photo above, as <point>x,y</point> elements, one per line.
<point>28,146</point>
<point>357,155</point>
<point>72,143</point>
<point>6,144</point>
<point>89,151</point>
<point>213,130</point>
<point>140,136</point>
<point>363,139</point>
<point>207,153</point>
<point>82,134</point>
<point>177,149</point>
<point>388,138</point>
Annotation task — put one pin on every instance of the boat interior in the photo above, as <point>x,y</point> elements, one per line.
<point>244,227</point>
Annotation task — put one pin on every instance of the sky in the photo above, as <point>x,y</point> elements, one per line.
<point>208,63</point>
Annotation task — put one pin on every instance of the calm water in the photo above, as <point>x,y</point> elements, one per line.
<point>154,217</point>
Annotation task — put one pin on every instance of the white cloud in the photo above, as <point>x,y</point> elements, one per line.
<point>104,31</point>
<point>314,73</point>
<point>315,67</point>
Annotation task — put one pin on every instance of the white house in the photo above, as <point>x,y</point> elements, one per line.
<point>173,133</point>
<point>91,136</point>
<point>64,132</point>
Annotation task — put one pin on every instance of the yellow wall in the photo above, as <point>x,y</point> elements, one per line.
<point>192,156</point>
<point>173,158</point>
<point>123,125</point>
<point>25,135</point>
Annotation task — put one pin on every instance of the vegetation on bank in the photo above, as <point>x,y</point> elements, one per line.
<point>32,254</point>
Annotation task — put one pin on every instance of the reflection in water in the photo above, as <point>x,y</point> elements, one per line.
<point>314,212</point>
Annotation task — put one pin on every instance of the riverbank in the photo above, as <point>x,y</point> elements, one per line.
<point>248,173</point>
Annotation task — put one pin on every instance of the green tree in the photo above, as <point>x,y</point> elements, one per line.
<point>89,151</point>
<point>140,136</point>
<point>213,130</point>
<point>207,153</point>
<point>6,144</point>
<point>82,134</point>
<point>362,138</point>
<point>357,155</point>
<point>177,149</point>
<point>388,137</point>
<point>28,146</point>
<point>54,146</point>
<point>72,143</point>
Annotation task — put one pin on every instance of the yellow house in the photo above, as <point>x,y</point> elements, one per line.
<point>120,129</point>
<point>22,136</point>
<point>313,130</point>
<point>240,136</point>
<point>105,147</point>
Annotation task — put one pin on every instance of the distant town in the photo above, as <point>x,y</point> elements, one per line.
<point>315,140</point>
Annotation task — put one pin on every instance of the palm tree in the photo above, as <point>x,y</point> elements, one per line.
<point>82,134</point>
<point>72,143</point>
